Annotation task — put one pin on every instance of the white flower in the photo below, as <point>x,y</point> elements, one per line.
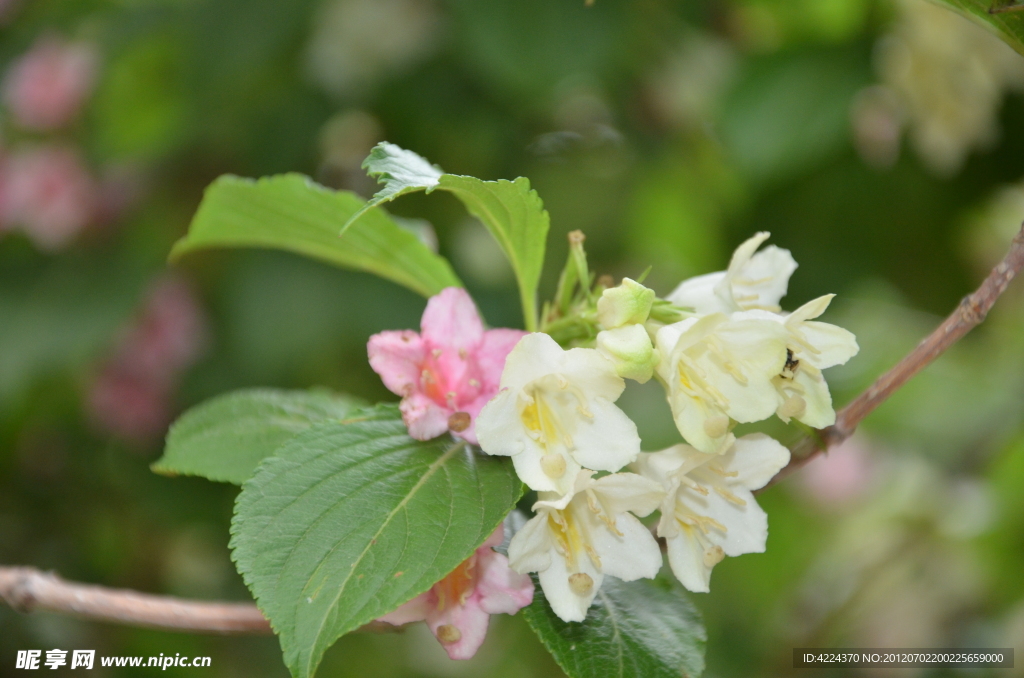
<point>709,511</point>
<point>752,281</point>
<point>574,541</point>
<point>717,368</point>
<point>555,414</point>
<point>811,347</point>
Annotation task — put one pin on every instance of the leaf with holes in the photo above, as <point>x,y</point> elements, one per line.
<point>224,438</point>
<point>350,519</point>
<point>291,212</point>
<point>512,212</point>
<point>639,629</point>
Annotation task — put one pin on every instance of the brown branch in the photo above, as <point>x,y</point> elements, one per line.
<point>26,589</point>
<point>969,314</point>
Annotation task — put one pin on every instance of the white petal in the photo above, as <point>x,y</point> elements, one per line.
<point>699,294</point>
<point>686,558</point>
<point>621,492</point>
<point>632,556</point>
<point>745,523</point>
<point>534,356</point>
<point>499,427</point>
<point>690,415</point>
<point>819,412</point>
<point>608,440</point>
<point>812,309</point>
<point>568,605</point>
<point>530,471</point>
<point>766,275</point>
<point>593,373</point>
<point>531,549</point>
<point>835,345</point>
<point>679,458</point>
<point>755,459</point>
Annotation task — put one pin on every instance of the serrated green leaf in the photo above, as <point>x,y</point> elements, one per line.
<point>641,629</point>
<point>291,212</point>
<point>226,437</point>
<point>349,520</point>
<point>515,216</point>
<point>512,212</point>
<point>400,171</point>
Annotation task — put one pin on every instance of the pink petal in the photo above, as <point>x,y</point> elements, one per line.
<point>413,611</point>
<point>500,589</point>
<point>491,354</point>
<point>424,418</point>
<point>397,356</point>
<point>469,619</point>
<point>451,321</point>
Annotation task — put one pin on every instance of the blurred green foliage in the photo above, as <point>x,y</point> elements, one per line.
<point>668,131</point>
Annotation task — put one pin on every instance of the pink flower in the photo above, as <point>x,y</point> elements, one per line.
<point>449,371</point>
<point>132,394</point>
<point>46,88</point>
<point>49,193</point>
<point>458,608</point>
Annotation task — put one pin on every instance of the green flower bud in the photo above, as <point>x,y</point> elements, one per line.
<point>630,349</point>
<point>628,304</point>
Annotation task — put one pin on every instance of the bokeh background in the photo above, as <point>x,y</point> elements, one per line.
<point>882,141</point>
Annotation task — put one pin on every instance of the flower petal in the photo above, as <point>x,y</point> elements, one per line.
<point>424,418</point>
<point>492,352</point>
<point>397,356</point>
<point>500,588</point>
<point>451,321</point>
<point>834,344</point>
<point>413,611</point>
<point>621,492</point>
<point>765,278</point>
<point>745,523</point>
<point>699,294</point>
<point>755,459</point>
<point>471,622</point>
<point>567,604</point>
<point>686,558</point>
<point>606,441</point>
<point>498,426</point>
<point>633,555</point>
<point>530,549</point>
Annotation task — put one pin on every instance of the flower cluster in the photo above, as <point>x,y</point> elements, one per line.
<point>723,350</point>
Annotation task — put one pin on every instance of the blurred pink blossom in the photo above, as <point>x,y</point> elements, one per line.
<point>447,372</point>
<point>131,398</point>
<point>128,406</point>
<point>840,475</point>
<point>46,87</point>
<point>48,192</point>
<point>457,609</point>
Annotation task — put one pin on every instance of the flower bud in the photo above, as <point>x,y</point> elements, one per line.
<point>628,304</point>
<point>630,349</point>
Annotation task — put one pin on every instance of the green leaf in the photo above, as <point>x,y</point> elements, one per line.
<point>515,216</point>
<point>512,212</point>
<point>1007,23</point>
<point>291,212</point>
<point>351,519</point>
<point>226,437</point>
<point>400,171</point>
<point>641,629</point>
